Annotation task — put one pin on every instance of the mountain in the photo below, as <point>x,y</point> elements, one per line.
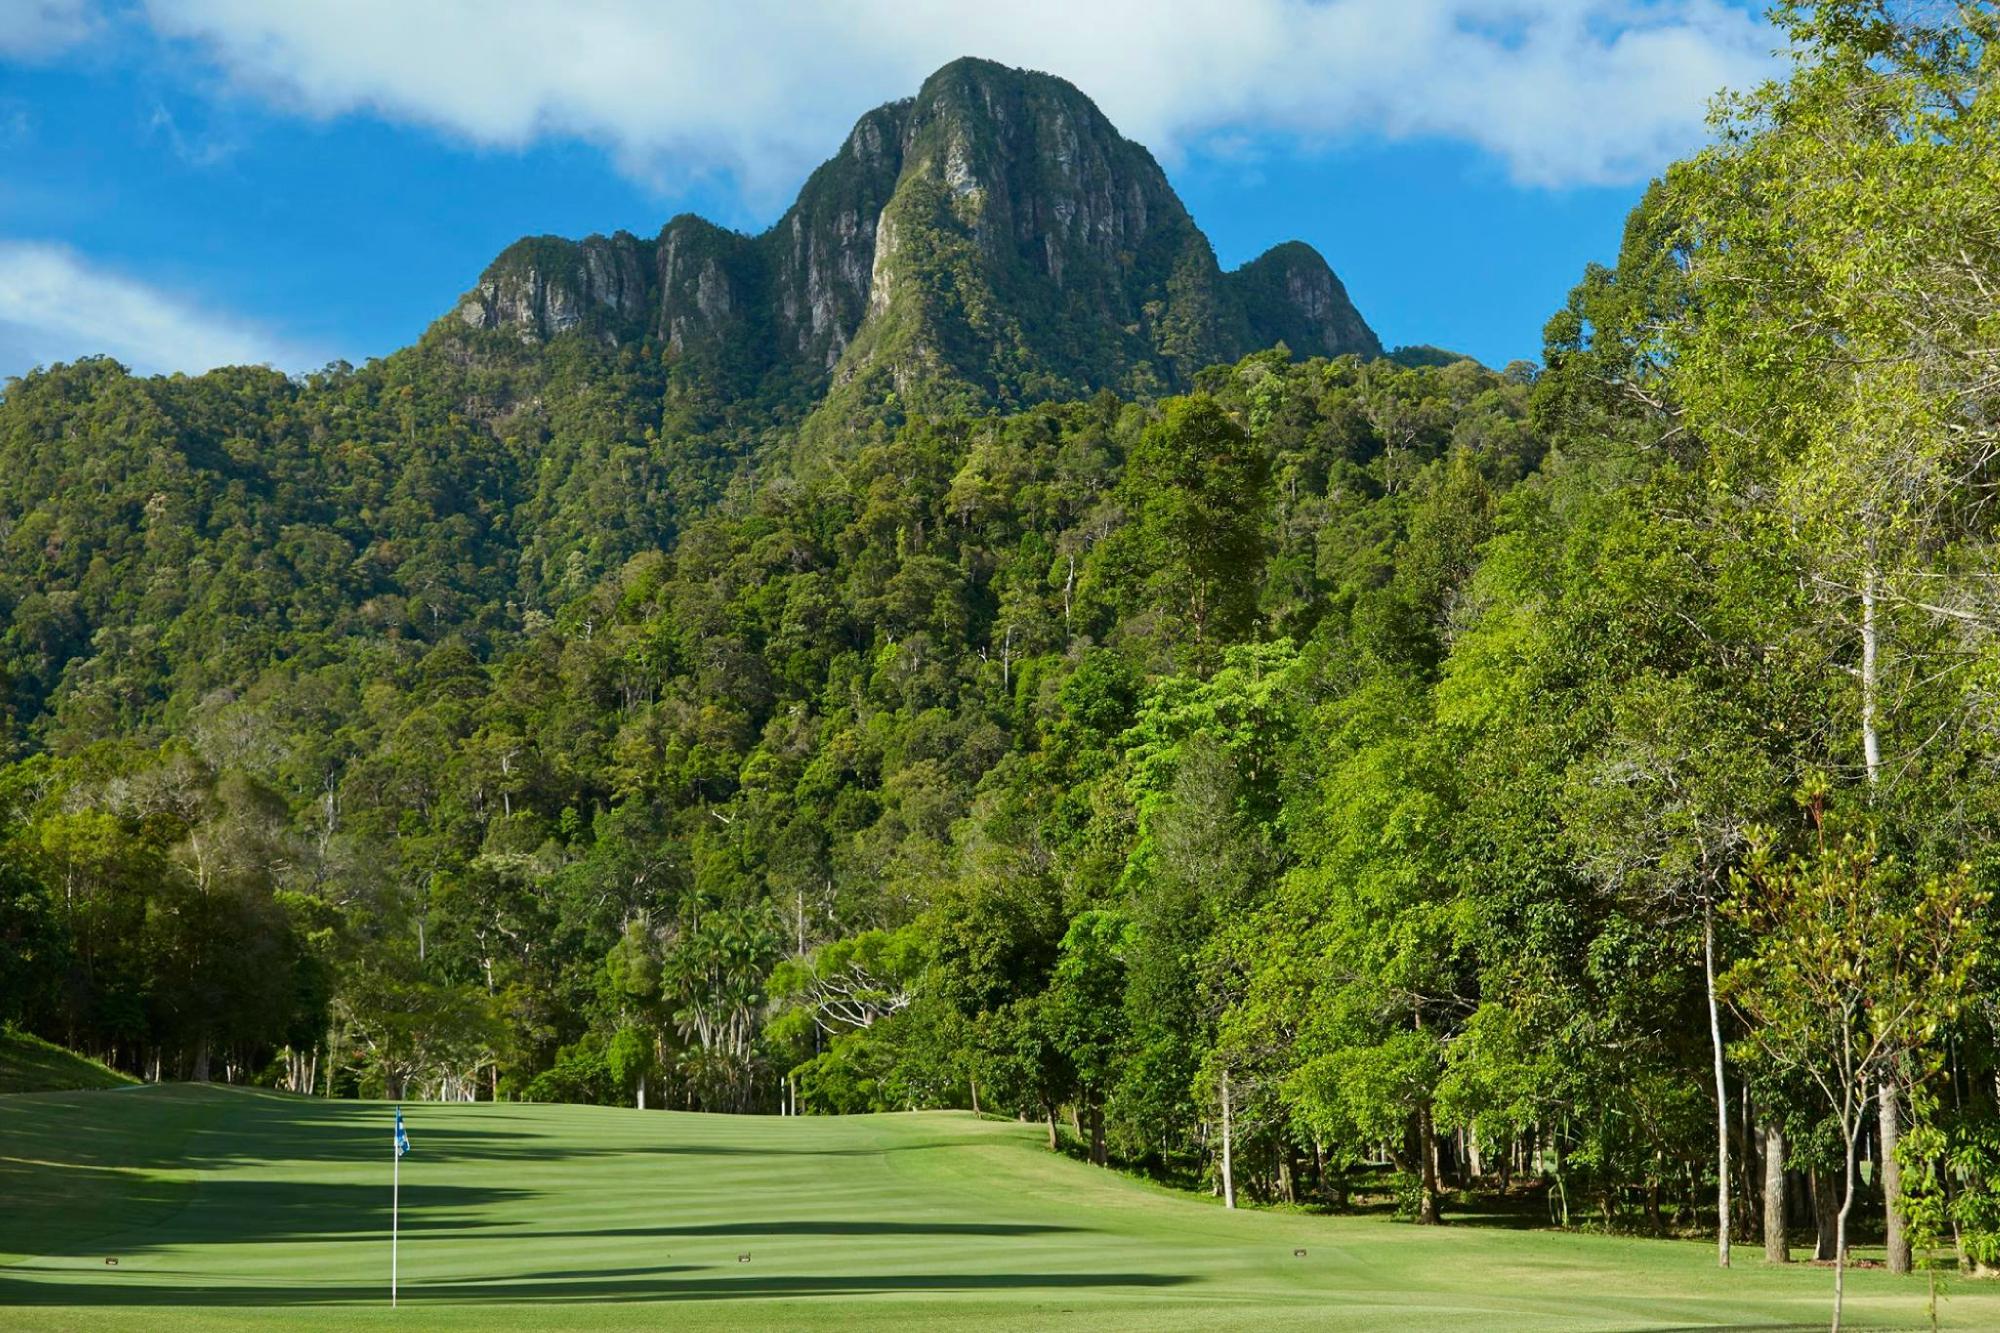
<point>991,241</point>
<point>674,609</point>
<point>991,245</point>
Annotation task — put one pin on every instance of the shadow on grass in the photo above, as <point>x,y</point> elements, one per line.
<point>816,1228</point>
<point>231,1212</point>
<point>666,1283</point>
<point>190,1129</point>
<point>163,1177</point>
<point>447,1229</point>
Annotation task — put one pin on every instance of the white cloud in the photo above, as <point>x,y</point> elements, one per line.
<point>1561,91</point>
<point>55,306</point>
<point>43,27</point>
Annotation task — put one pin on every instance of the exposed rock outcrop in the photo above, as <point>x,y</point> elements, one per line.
<point>993,238</point>
<point>545,285</point>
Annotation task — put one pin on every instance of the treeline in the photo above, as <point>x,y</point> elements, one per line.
<point>512,842</point>
<point>1582,777</point>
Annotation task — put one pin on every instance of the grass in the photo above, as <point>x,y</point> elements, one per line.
<point>227,1208</point>
<point>29,1064</point>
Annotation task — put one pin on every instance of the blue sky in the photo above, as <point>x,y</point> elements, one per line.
<point>190,182</point>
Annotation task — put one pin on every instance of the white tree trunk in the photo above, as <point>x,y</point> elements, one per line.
<point>1871,753</point>
<point>1840,1226</point>
<point>1228,1164</point>
<point>1871,740</point>
<point>1721,1089</point>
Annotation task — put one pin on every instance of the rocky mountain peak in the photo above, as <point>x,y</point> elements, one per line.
<point>1291,296</point>
<point>993,238</point>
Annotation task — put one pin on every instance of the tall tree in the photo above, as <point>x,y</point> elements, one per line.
<point>1855,967</point>
<point>1841,244</point>
<point>1195,492</point>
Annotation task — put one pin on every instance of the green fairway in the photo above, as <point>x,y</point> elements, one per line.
<point>224,1206</point>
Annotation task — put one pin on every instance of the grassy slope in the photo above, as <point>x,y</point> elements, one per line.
<point>226,1207</point>
<point>29,1064</point>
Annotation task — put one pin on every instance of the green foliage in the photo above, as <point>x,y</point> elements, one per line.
<point>1853,966</point>
<point>1085,1011</point>
<point>1408,745</point>
<point>1853,971</point>
<point>1194,491</point>
<point>585,1072</point>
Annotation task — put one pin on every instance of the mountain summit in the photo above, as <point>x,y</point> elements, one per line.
<point>992,240</point>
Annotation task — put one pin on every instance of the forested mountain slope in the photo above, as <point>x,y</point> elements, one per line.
<point>588,398</point>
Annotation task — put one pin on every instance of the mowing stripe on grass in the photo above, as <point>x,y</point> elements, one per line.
<point>226,1207</point>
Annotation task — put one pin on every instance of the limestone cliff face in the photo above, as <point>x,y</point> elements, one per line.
<point>545,285</point>
<point>1030,251</point>
<point>706,285</point>
<point>821,253</point>
<point>993,239</point>
<point>1291,296</point>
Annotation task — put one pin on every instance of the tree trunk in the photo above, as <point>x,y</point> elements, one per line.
<point>201,1059</point>
<point>1825,1205</point>
<point>1892,1177</point>
<point>1721,1089</point>
<point>1228,1163</point>
<point>1776,1248</point>
<point>1746,1153</point>
<point>1097,1153</point>
<point>1840,1227</point>
<point>975,1096</point>
<point>1054,1143</point>
<point>1427,1206</point>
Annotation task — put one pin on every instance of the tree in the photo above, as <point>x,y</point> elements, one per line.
<point>1854,967</point>
<point>32,942</point>
<point>632,1057</point>
<point>1375,900</point>
<point>1086,1012</point>
<point>853,982</point>
<point>1663,811</point>
<point>630,988</point>
<point>1839,355</point>
<point>1194,490</point>
<point>712,976</point>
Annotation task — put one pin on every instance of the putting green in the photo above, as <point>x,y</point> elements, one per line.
<point>224,1207</point>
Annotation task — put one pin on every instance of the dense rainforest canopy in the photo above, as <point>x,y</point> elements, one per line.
<point>1581,773</point>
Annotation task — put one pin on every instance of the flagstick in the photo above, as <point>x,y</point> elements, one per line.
<point>395,1213</point>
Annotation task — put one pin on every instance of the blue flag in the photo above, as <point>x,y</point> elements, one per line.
<point>402,1139</point>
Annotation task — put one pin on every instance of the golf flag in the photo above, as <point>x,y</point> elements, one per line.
<point>396,1201</point>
